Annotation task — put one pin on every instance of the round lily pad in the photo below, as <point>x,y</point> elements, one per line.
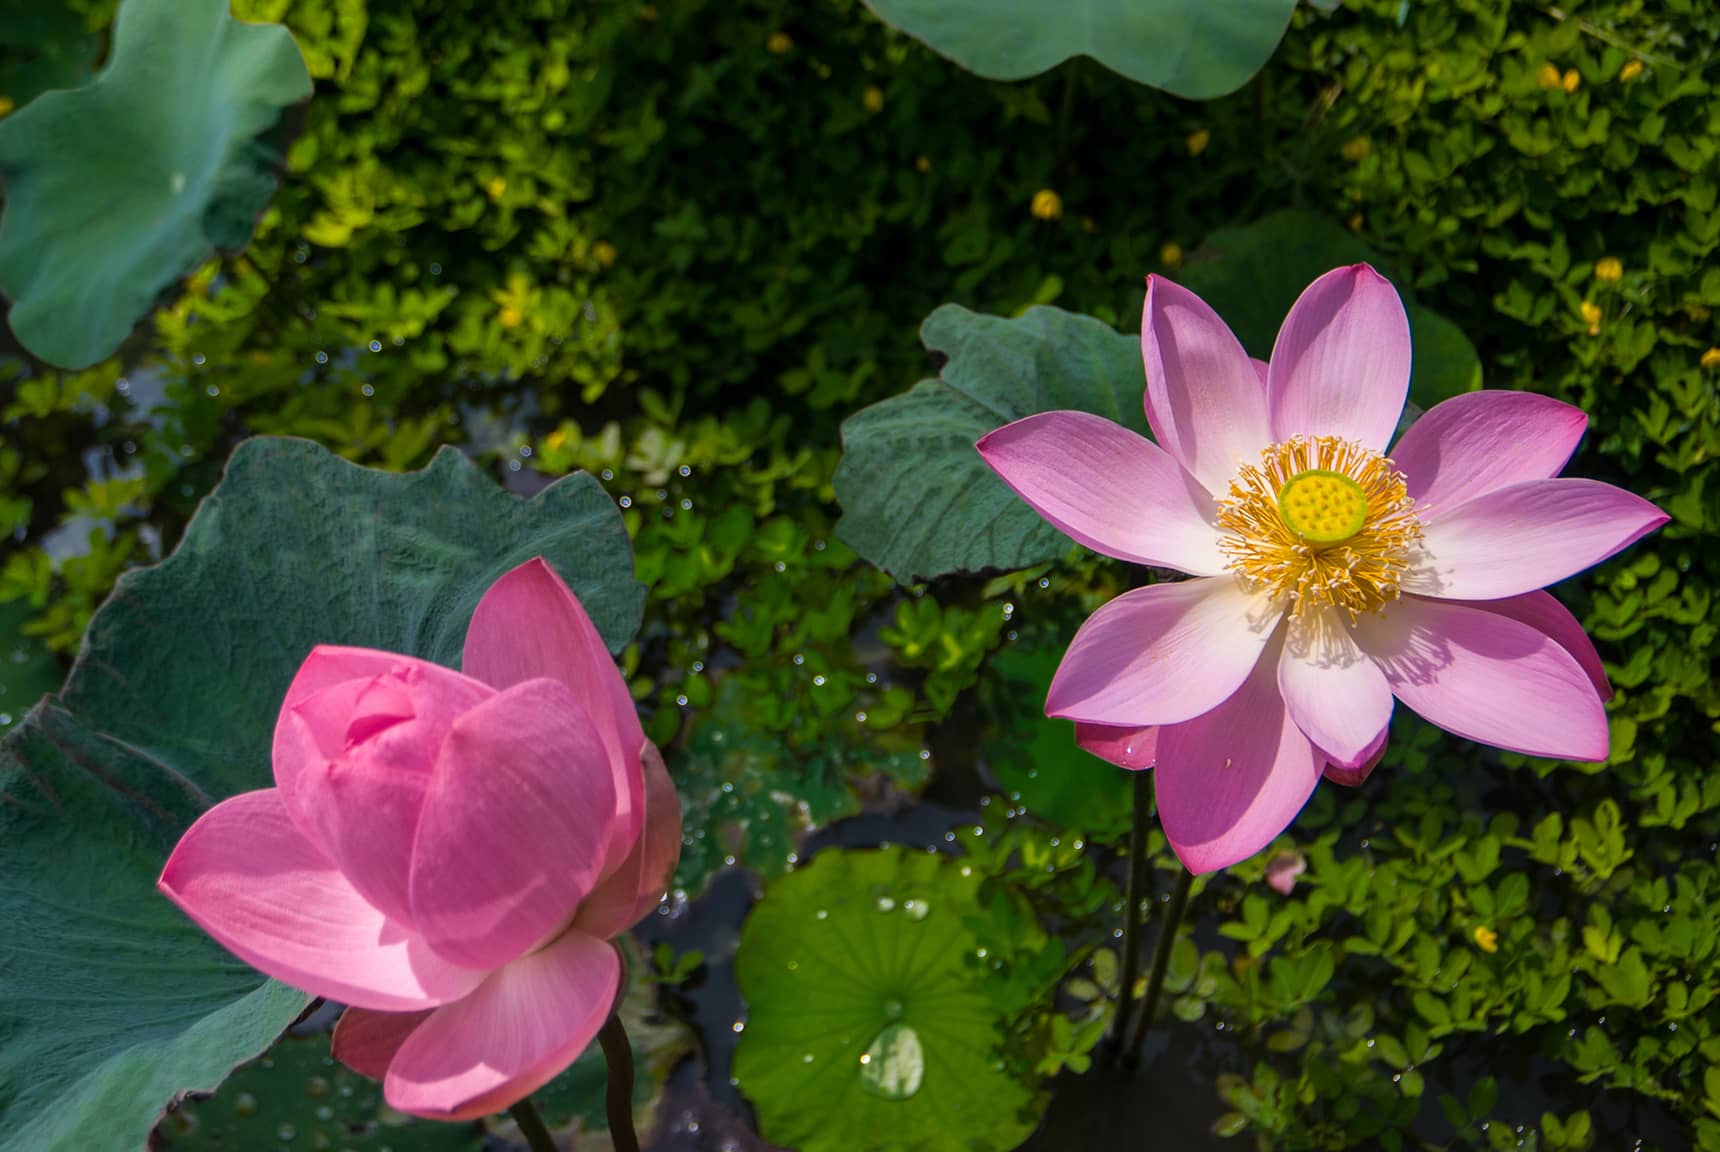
<point>872,1019</point>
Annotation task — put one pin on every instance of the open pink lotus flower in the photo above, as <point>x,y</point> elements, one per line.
<point>449,853</point>
<point>1330,578</point>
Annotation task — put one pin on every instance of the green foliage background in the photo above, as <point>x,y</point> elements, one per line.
<point>677,244</point>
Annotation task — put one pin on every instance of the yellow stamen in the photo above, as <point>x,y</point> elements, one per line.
<point>1322,522</point>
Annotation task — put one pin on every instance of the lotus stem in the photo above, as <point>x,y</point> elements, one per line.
<point>1132,913</point>
<point>618,1054</point>
<point>532,1127</point>
<point>1161,964</point>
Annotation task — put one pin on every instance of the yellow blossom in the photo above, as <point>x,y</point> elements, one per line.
<point>1047,205</point>
<point>555,440</point>
<point>6,105</point>
<point>1486,939</point>
<point>1171,255</point>
<point>1198,140</point>
<point>779,44</point>
<point>1356,147</point>
<point>1548,76</point>
<point>496,187</point>
<point>1571,80</point>
<point>1608,268</point>
<point>1591,316</point>
<point>1631,70</point>
<point>873,98</point>
<point>1711,358</point>
<point>1357,221</point>
<point>603,252</point>
<point>510,316</point>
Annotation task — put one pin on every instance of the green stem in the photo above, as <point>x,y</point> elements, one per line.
<point>1132,913</point>
<point>1161,963</point>
<point>532,1127</point>
<point>618,1054</point>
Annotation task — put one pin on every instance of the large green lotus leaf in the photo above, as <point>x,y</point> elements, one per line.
<point>111,1001</point>
<point>1252,275</point>
<point>916,498</point>
<point>871,1021</point>
<point>116,190</point>
<point>1194,48</point>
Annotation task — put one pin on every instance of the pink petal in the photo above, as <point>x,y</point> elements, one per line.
<point>325,667</point>
<point>1230,781</point>
<point>515,827</point>
<point>1203,396</point>
<point>1351,775</point>
<point>1474,443</point>
<point>1108,488</point>
<point>1341,364</point>
<point>1487,677</point>
<point>527,1023</point>
<point>1527,535</point>
<point>250,879</point>
<point>638,886</point>
<point>1131,748</point>
<point>1261,369</point>
<point>1540,611</point>
<point>366,1041</point>
<point>529,625</point>
<point>1162,654</point>
<point>368,748</point>
<point>1336,695</point>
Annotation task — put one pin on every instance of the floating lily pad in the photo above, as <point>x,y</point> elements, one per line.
<point>119,1002</point>
<point>1252,275</point>
<point>116,190</point>
<point>1195,48</point>
<point>916,498</point>
<point>872,1016</point>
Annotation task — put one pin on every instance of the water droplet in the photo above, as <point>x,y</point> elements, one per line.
<point>286,1132</point>
<point>916,909</point>
<point>893,1065</point>
<point>823,915</point>
<point>740,1026</point>
<point>807,1058</point>
<point>376,345</point>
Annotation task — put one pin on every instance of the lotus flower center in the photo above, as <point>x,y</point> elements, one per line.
<point>1320,522</point>
<point>1323,507</point>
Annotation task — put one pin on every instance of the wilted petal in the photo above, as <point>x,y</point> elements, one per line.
<point>1204,401</point>
<point>250,879</point>
<point>1474,443</point>
<point>515,826</point>
<point>1162,654</point>
<point>1230,781</point>
<point>527,1023</point>
<point>1341,364</point>
<point>1525,536</point>
<point>1108,488</point>
<point>1487,677</point>
<point>531,625</point>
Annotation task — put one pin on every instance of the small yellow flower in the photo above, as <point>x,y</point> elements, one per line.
<point>779,44</point>
<point>510,316</point>
<point>1198,140</point>
<point>873,98</point>
<point>1571,80</point>
<point>1171,255</point>
<point>1548,76</point>
<point>555,440</point>
<point>1357,221</point>
<point>6,105</point>
<point>496,187</point>
<point>1608,268</point>
<point>1047,205</point>
<point>1591,316</point>
<point>922,164</point>
<point>1486,939</point>
<point>1711,358</point>
<point>1356,147</point>
<point>1631,70</point>
<point>604,253</point>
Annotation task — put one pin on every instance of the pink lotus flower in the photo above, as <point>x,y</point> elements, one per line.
<point>449,853</point>
<point>1331,578</point>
